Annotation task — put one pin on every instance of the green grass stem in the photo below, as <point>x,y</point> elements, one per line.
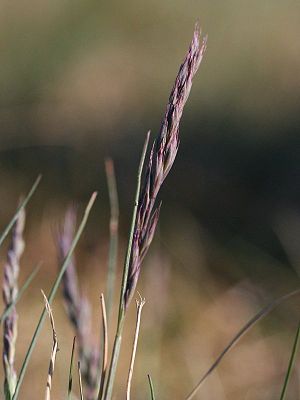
<point>152,395</point>
<point>291,364</point>
<point>122,309</point>
<point>21,206</point>
<point>20,294</point>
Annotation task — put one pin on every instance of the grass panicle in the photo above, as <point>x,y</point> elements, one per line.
<point>78,308</point>
<point>144,218</point>
<point>53,293</point>
<point>160,161</point>
<point>10,293</point>
<point>21,291</point>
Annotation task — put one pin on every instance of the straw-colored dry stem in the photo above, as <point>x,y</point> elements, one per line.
<point>139,306</point>
<point>10,295</point>
<point>105,346</point>
<point>80,381</point>
<point>53,352</point>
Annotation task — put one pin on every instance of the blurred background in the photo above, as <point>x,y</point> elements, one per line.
<point>84,80</point>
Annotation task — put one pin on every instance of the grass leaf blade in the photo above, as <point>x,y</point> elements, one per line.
<point>21,207</point>
<point>291,364</point>
<point>70,382</point>
<point>152,395</point>
<point>21,292</point>
<point>257,317</point>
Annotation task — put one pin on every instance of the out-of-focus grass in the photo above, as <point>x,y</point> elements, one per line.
<point>187,321</point>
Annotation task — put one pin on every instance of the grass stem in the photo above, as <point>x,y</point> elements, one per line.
<point>122,308</point>
<point>291,364</point>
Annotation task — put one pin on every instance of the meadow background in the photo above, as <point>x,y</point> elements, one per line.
<point>83,80</point>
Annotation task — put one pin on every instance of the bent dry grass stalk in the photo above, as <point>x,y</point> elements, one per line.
<point>52,294</point>
<point>139,307</point>
<point>10,296</point>
<point>53,351</point>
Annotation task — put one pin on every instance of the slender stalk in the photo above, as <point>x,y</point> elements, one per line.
<point>257,317</point>
<point>113,232</point>
<point>122,308</point>
<point>105,347</point>
<point>139,305</point>
<point>21,207</point>
<point>80,381</point>
<point>52,294</point>
<point>70,381</point>
<point>152,395</point>
<point>20,294</point>
<point>291,364</point>
<point>53,352</point>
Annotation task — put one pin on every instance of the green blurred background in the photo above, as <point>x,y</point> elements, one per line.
<point>83,80</point>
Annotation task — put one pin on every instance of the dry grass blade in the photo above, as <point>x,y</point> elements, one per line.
<point>52,294</point>
<point>105,347</point>
<point>257,317</point>
<point>291,364</point>
<point>70,381</point>
<point>80,381</point>
<point>10,293</point>
<point>113,232</point>
<point>139,305</point>
<point>54,349</point>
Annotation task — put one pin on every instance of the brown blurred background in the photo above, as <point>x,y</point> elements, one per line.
<point>83,80</point>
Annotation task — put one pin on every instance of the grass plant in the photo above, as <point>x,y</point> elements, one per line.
<point>96,372</point>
